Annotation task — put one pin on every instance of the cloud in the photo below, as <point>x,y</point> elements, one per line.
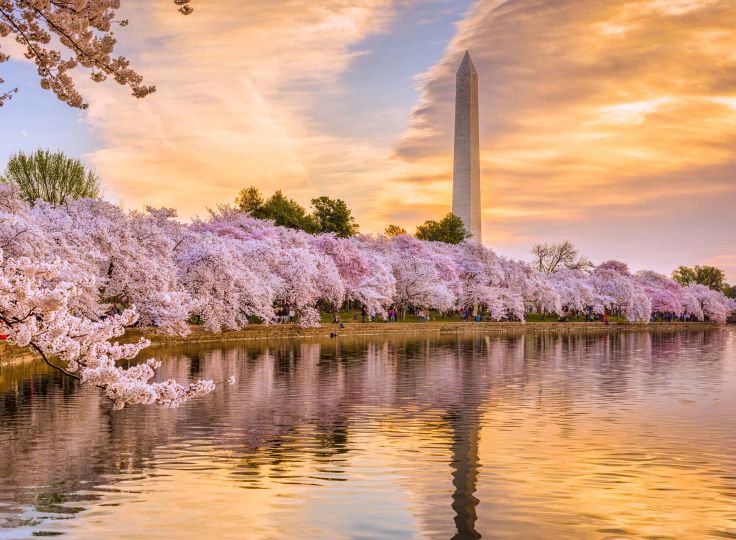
<point>621,110</point>
<point>242,88</point>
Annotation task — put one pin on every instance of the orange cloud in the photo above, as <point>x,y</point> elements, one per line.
<point>607,124</point>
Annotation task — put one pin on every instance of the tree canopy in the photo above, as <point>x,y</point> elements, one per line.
<point>328,215</point>
<point>712,277</point>
<point>287,213</point>
<point>450,230</point>
<point>550,258</point>
<point>50,176</point>
<point>334,216</point>
<point>729,291</point>
<point>394,230</point>
<point>250,200</point>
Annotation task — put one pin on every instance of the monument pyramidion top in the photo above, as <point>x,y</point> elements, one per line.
<point>466,66</point>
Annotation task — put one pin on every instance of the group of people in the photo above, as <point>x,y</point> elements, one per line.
<point>671,317</point>
<point>473,314</point>
<point>284,315</point>
<point>392,315</point>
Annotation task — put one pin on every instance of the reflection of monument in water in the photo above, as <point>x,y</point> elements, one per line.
<point>465,421</point>
<point>466,169</point>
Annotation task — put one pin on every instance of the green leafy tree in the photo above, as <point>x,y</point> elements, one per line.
<point>394,230</point>
<point>333,215</point>
<point>711,276</point>
<point>50,176</point>
<point>684,275</point>
<point>250,200</point>
<point>450,229</point>
<point>729,291</point>
<point>288,213</point>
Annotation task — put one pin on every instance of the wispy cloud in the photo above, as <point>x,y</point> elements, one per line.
<point>239,87</point>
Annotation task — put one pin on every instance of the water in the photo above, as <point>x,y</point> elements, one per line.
<point>620,435</point>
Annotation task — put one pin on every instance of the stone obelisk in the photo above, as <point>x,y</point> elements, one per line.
<point>466,170</point>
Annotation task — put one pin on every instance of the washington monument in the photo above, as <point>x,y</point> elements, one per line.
<point>466,170</point>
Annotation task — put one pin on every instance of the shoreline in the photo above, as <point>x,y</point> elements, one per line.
<point>10,355</point>
<point>290,331</point>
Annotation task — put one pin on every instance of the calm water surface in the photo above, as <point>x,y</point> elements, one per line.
<point>626,435</point>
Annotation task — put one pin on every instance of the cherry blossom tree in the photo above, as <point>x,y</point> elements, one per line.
<point>63,36</point>
<point>425,279</point>
<point>365,274</point>
<point>302,276</point>
<point>663,292</point>
<point>229,278</point>
<point>617,290</point>
<point>491,282</point>
<point>575,290</point>
<point>35,312</point>
<point>131,255</point>
<point>715,307</point>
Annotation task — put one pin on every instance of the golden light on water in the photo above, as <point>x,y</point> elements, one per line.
<point>530,436</point>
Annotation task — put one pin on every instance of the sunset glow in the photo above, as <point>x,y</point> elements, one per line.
<point>610,124</point>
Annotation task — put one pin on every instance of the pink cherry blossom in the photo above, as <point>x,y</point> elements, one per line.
<point>35,312</point>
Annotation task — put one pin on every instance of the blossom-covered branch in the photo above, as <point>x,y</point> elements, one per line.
<point>35,312</point>
<point>60,36</point>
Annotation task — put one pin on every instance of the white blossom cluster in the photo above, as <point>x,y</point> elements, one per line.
<point>35,311</point>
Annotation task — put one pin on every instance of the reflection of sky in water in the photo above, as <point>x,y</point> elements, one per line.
<point>577,436</point>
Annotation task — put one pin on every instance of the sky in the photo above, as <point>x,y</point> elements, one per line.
<point>610,123</point>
